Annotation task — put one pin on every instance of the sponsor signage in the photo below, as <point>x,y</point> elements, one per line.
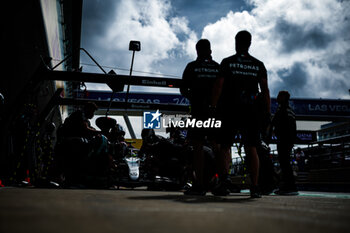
<point>302,107</point>
<point>303,137</point>
<point>149,98</point>
<point>317,107</point>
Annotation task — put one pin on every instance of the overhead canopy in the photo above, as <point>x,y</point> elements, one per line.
<point>305,109</point>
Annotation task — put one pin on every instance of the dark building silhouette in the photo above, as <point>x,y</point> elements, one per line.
<point>33,32</point>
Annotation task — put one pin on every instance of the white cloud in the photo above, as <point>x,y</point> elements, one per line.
<point>150,22</point>
<point>222,33</point>
<point>304,44</point>
<point>180,27</point>
<point>307,36</point>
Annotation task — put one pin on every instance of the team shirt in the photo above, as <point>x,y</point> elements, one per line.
<point>242,74</point>
<point>198,80</point>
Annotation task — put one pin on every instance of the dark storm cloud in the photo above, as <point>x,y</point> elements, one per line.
<point>202,12</point>
<point>97,17</point>
<point>298,37</point>
<point>293,80</point>
<point>339,63</point>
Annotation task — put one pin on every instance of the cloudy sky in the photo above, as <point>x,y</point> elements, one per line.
<point>304,44</point>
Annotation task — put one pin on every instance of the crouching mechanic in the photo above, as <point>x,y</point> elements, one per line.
<point>234,97</point>
<point>198,80</point>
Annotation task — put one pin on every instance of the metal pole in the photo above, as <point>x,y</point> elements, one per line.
<point>111,100</point>
<point>128,124</point>
<point>127,91</point>
<point>125,115</point>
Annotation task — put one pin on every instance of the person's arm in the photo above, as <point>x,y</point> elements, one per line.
<point>89,129</point>
<point>263,83</point>
<point>218,84</point>
<point>293,127</point>
<point>266,94</point>
<point>185,86</point>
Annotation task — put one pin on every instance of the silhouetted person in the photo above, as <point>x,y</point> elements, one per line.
<point>284,126</point>
<point>106,124</point>
<point>78,123</point>
<point>235,95</point>
<point>74,140</point>
<point>198,79</point>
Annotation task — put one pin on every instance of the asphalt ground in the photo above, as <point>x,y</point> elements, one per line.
<point>81,210</point>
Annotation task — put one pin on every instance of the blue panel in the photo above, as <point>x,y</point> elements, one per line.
<point>321,107</point>
<point>301,107</point>
<point>158,98</point>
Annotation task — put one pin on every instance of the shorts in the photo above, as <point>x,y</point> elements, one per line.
<point>240,126</point>
<point>202,133</point>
